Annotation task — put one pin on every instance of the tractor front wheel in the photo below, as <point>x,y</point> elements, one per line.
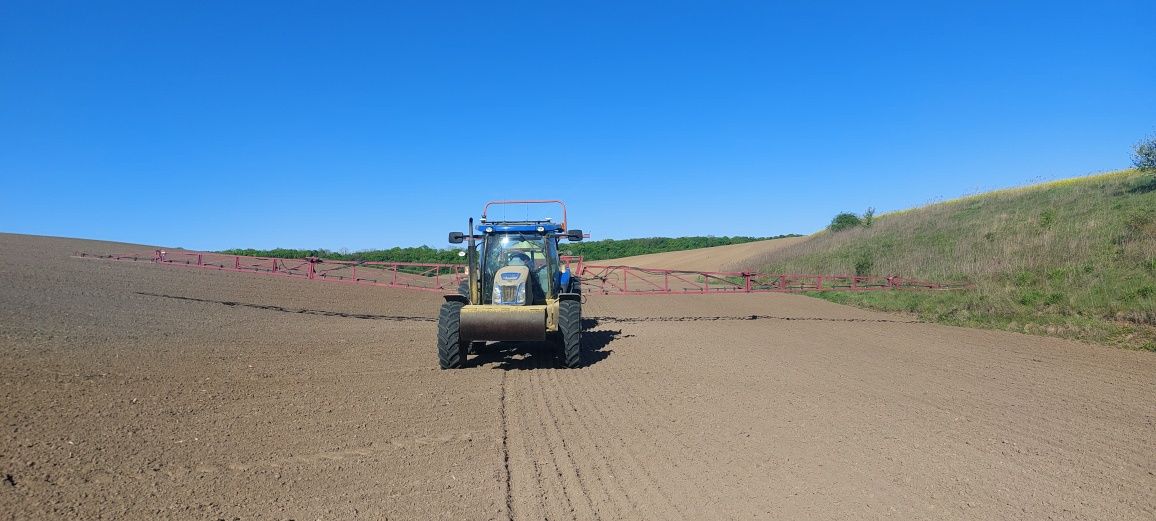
<point>570,325</point>
<point>451,352</point>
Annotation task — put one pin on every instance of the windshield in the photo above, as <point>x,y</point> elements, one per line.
<point>534,251</point>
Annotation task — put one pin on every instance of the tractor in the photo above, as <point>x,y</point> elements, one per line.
<point>517,289</point>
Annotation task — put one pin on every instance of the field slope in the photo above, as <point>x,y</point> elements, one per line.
<point>140,391</point>
<point>716,258</point>
<point>1074,258</point>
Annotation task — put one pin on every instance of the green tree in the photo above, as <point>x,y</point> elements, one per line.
<point>844,221</point>
<point>1144,155</point>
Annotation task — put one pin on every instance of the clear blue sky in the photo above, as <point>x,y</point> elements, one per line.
<point>360,125</point>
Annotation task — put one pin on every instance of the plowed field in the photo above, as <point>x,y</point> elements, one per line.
<point>136,391</point>
<point>733,257</point>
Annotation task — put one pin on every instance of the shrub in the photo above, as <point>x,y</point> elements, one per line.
<point>863,265</point>
<point>845,221</point>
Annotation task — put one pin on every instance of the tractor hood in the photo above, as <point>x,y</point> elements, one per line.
<point>511,286</point>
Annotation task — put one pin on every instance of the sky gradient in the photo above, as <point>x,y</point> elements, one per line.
<point>357,125</point>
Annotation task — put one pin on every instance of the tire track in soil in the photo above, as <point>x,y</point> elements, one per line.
<point>564,484</point>
<point>644,415</point>
<point>573,473</point>
<point>506,447</point>
<point>623,505</point>
<point>299,311</point>
<point>569,470</point>
<point>537,492</point>
<point>631,403</point>
<point>650,491</point>
<point>564,468</point>
<point>627,406</point>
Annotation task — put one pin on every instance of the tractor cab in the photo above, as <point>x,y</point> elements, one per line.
<point>519,264</point>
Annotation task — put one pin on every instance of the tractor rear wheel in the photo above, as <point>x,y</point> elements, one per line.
<point>570,325</point>
<point>451,352</point>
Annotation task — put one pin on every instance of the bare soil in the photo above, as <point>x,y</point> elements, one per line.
<point>136,391</point>
<point>732,257</point>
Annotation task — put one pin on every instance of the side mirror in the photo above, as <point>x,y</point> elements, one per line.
<point>574,235</point>
<point>457,237</point>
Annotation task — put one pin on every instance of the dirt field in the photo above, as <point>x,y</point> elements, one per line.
<point>134,391</point>
<point>734,257</point>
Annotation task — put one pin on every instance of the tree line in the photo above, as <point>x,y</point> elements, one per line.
<point>592,250</point>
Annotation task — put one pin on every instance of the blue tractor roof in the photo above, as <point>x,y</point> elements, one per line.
<point>506,227</point>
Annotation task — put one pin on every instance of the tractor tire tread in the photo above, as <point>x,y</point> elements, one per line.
<point>570,325</point>
<point>451,352</point>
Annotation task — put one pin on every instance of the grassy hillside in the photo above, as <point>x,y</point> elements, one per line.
<point>1074,258</point>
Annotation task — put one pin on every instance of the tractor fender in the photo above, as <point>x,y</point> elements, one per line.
<point>457,298</point>
<point>570,296</point>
